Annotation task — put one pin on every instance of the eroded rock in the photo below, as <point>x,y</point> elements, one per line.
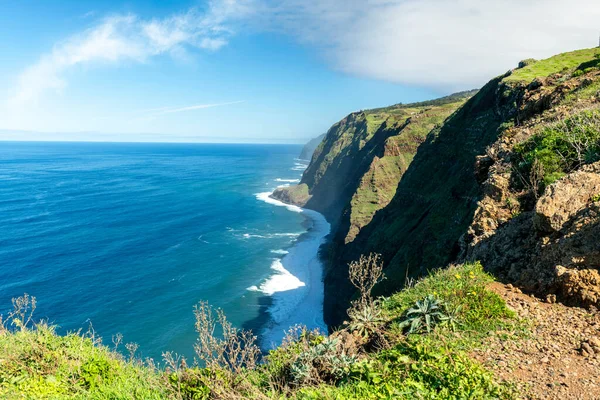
<point>565,199</point>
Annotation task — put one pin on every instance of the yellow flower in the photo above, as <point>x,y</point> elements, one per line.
<point>457,276</point>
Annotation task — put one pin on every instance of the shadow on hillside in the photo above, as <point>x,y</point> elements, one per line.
<point>435,201</point>
<point>341,181</point>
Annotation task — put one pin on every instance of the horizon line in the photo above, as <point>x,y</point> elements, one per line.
<point>146,142</point>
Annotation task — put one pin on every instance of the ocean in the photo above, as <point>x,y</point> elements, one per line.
<point>129,237</point>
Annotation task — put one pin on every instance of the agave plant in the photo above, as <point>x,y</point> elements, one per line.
<point>323,362</point>
<point>365,320</point>
<point>424,315</point>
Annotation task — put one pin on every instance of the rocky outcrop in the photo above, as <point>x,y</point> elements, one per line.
<point>567,198</point>
<point>549,246</point>
<point>296,195</point>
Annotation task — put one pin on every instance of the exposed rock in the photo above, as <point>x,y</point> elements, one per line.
<point>564,199</point>
<point>296,195</point>
<point>580,285</point>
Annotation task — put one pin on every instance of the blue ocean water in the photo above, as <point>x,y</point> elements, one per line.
<point>130,236</point>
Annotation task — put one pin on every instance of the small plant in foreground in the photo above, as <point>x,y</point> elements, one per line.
<point>236,351</point>
<point>322,363</point>
<point>424,316</point>
<point>365,321</point>
<point>365,313</point>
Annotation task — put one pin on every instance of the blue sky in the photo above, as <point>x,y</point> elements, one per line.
<point>255,70</point>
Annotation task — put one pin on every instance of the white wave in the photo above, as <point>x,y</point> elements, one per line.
<point>287,180</point>
<point>270,235</point>
<point>266,197</point>
<point>284,185</point>
<point>298,168</point>
<point>281,281</point>
<point>296,287</point>
<point>250,236</point>
<point>279,251</point>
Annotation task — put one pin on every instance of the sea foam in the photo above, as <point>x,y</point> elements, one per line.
<point>296,286</point>
<point>287,180</point>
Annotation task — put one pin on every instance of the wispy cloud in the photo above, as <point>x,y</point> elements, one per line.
<point>127,38</point>
<point>171,110</point>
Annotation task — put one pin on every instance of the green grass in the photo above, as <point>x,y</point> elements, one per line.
<point>36,363</point>
<point>552,65</point>
<point>560,148</point>
<point>435,365</point>
<point>463,289</point>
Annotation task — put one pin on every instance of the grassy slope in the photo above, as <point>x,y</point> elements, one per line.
<point>39,364</point>
<point>378,185</point>
<point>36,363</point>
<point>355,170</point>
<point>553,65</point>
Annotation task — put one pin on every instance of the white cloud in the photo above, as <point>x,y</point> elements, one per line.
<point>436,43</point>
<point>129,38</point>
<point>443,44</point>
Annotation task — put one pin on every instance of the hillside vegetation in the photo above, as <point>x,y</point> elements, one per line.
<point>355,170</point>
<point>476,185</point>
<point>411,345</point>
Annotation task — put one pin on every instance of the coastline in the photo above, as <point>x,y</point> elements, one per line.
<point>295,292</point>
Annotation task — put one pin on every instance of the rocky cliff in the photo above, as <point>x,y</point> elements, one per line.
<point>510,178</point>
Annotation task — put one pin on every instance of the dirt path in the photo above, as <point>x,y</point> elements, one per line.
<point>561,357</point>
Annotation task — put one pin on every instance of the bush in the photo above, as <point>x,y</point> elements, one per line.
<point>467,301</point>
<point>365,313</point>
<point>557,150</point>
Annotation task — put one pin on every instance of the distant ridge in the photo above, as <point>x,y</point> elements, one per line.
<point>310,147</point>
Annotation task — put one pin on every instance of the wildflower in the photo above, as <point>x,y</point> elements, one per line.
<point>457,276</point>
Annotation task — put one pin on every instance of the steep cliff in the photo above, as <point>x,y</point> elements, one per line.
<point>357,166</point>
<point>309,148</point>
<point>475,189</point>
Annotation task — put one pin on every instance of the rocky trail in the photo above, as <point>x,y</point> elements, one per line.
<point>559,357</point>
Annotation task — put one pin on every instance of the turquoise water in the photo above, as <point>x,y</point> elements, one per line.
<point>130,236</point>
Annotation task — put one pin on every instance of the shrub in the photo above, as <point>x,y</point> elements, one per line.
<point>364,313</point>
<point>321,363</point>
<point>468,303</point>
<point>558,149</point>
<point>234,351</point>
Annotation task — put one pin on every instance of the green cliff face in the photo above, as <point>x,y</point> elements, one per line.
<point>356,168</point>
<point>422,223</point>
